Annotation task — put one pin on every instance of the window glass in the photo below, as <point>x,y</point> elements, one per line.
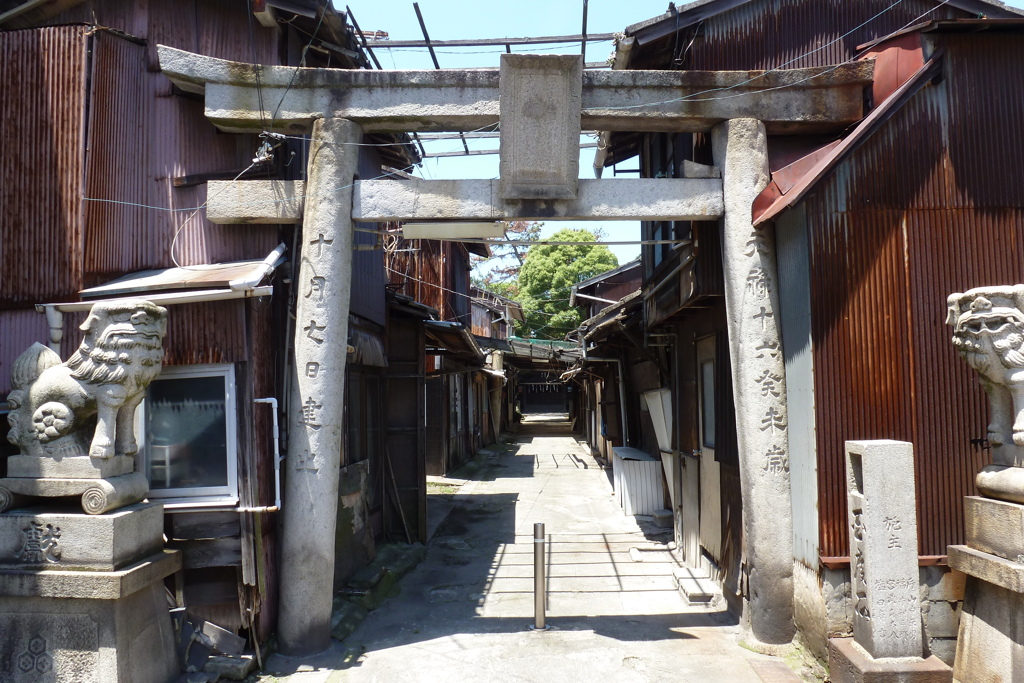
<point>707,401</point>
<point>186,433</point>
<point>186,430</point>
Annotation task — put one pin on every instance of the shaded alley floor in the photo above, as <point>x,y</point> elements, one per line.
<point>615,615</point>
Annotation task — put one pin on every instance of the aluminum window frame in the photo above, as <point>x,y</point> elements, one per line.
<point>199,496</point>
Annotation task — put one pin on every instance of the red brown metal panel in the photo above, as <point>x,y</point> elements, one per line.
<point>140,139</point>
<point>19,329</point>
<point>923,208</point>
<point>43,81</point>
<point>789,34</point>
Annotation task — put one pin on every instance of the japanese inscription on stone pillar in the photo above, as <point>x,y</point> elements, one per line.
<point>883,548</point>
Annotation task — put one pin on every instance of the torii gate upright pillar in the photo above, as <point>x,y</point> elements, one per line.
<point>759,381</point>
<point>317,397</point>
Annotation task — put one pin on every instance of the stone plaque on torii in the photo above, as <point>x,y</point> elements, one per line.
<point>541,104</point>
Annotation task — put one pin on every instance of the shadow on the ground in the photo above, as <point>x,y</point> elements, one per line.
<point>445,595</point>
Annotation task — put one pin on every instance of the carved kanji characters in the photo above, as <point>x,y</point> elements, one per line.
<point>312,329</point>
<point>770,384</point>
<point>773,420</point>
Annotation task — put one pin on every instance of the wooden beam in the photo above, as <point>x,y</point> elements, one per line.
<point>481,42</point>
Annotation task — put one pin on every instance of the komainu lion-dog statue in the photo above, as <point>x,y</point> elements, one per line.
<point>54,404</point>
<point>988,331</point>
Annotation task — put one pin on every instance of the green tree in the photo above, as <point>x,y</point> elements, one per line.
<point>546,279</point>
<point>500,272</point>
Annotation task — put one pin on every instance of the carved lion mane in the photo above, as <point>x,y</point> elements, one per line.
<point>106,377</point>
<point>988,331</point>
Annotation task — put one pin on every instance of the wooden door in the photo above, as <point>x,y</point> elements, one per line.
<point>710,469</point>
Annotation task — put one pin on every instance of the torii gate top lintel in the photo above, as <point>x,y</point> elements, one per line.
<point>811,101</point>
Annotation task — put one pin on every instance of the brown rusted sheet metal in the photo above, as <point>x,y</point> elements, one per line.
<point>43,81</point>
<point>19,329</point>
<point>889,241</point>
<point>139,140</point>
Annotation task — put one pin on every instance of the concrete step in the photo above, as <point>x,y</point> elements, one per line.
<point>697,586</point>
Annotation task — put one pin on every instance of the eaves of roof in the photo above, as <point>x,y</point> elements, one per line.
<point>694,12</point>
<point>838,152</point>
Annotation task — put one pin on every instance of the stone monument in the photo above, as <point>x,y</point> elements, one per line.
<point>887,643</point>
<point>988,331</point>
<point>81,592</point>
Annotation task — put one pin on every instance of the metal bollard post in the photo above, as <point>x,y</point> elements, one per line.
<point>539,584</point>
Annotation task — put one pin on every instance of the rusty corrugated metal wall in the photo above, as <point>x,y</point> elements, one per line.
<point>41,168</point>
<point>929,205</point>
<point>770,34</point>
<point>140,138</point>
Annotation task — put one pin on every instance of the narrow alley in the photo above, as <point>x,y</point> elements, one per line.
<point>614,611</point>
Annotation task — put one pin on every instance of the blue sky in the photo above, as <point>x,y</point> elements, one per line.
<point>461,19</point>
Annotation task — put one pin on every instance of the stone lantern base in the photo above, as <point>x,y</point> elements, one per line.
<point>990,644</point>
<point>82,597</point>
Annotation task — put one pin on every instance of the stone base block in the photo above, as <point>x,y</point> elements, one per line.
<point>37,538</point>
<point>995,527</point>
<point>990,646</point>
<point>97,495</point>
<point>848,662</point>
<point>73,467</point>
<point>124,639</point>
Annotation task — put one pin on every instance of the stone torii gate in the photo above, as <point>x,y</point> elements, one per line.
<point>541,103</point>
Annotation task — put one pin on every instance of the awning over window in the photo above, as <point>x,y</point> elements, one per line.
<point>454,339</point>
<point>237,275</point>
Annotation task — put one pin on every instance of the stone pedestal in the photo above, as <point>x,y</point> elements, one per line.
<point>990,646</point>
<point>82,597</point>
<point>887,643</point>
<point>102,484</point>
<point>848,662</point>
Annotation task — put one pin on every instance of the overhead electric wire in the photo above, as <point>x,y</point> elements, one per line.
<point>343,187</point>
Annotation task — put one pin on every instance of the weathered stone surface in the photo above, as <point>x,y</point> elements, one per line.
<point>989,648</point>
<point>995,526</point>
<point>942,583</point>
<point>808,100</point>
<point>346,618</point>
<point>942,648</point>
<point>88,640</point>
<point>1005,482</point>
<point>386,587</point>
<point>883,548</point>
<point>622,199</point>
<point>53,402</point>
<point>941,619</point>
<point>231,668</point>
<point>96,585</point>
<point>33,538</point>
<point>540,125</point>
<point>759,380</point>
<point>73,467</point>
<point>849,663</point>
<point>989,568</point>
<point>988,332</point>
<point>98,495</point>
<point>277,202</point>
<point>317,392</point>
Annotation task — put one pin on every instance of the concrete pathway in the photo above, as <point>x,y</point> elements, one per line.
<point>464,613</point>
